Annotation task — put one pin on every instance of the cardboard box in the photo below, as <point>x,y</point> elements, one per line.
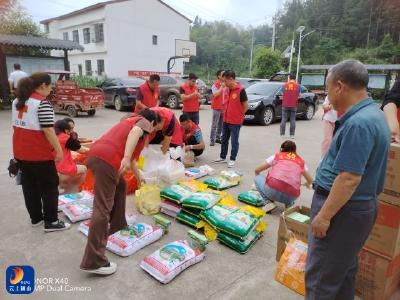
<point>385,235</point>
<point>378,276</point>
<point>391,190</point>
<point>300,230</point>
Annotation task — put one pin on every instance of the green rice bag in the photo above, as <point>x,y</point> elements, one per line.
<point>201,200</point>
<point>220,183</point>
<point>238,245</point>
<point>239,224</point>
<point>188,219</point>
<point>251,197</point>
<point>176,193</point>
<point>193,211</point>
<point>232,175</point>
<point>299,217</point>
<point>217,214</point>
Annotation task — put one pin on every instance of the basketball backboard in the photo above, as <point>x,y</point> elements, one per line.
<point>185,48</point>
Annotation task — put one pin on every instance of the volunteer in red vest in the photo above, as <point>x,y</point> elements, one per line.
<point>148,93</point>
<point>291,92</point>
<point>283,180</point>
<point>216,106</point>
<point>391,108</point>
<point>192,136</point>
<point>109,158</point>
<point>168,132</point>
<point>36,148</point>
<point>234,107</point>
<point>71,175</point>
<point>191,98</point>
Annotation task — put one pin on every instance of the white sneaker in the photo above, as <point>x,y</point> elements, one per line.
<point>292,137</point>
<point>108,269</point>
<point>231,164</point>
<point>270,206</point>
<point>219,160</point>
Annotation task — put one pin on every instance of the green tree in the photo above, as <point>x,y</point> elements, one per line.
<point>267,62</point>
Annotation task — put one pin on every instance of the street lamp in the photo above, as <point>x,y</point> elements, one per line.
<point>300,31</point>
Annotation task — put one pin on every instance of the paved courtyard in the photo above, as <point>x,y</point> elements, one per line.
<point>224,274</point>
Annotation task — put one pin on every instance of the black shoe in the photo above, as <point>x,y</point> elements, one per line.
<point>212,144</point>
<point>37,224</point>
<point>56,226</point>
<point>218,141</point>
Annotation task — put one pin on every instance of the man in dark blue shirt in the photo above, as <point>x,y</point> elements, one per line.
<point>348,181</point>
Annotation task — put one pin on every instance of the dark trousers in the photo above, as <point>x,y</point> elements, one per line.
<point>40,187</point>
<point>230,131</point>
<point>288,113</point>
<point>108,212</point>
<point>158,139</point>
<point>194,116</point>
<point>332,261</point>
<point>192,141</point>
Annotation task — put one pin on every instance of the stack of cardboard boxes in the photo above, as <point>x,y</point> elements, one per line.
<point>379,261</point>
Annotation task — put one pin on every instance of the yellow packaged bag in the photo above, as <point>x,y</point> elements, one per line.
<point>291,267</point>
<point>148,200</point>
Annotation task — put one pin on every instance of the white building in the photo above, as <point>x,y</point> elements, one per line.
<point>121,37</point>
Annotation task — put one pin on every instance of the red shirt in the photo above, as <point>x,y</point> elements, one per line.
<point>168,116</point>
<point>291,94</point>
<point>150,96</point>
<point>233,109</point>
<point>193,103</point>
<point>187,134</point>
<point>216,102</point>
<point>111,146</point>
<point>67,165</point>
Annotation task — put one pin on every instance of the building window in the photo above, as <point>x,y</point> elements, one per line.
<point>65,36</point>
<point>46,28</point>
<point>86,35</point>
<point>155,39</point>
<point>99,32</point>
<point>80,70</point>
<point>100,66</point>
<point>88,67</point>
<point>75,36</point>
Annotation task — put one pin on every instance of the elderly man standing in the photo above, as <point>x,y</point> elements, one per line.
<point>348,181</point>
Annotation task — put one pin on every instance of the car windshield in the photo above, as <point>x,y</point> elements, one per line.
<point>264,89</point>
<point>131,81</point>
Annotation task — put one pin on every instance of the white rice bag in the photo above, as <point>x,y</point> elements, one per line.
<point>79,210</point>
<point>69,198</point>
<point>166,263</point>
<point>84,226</point>
<point>170,208</point>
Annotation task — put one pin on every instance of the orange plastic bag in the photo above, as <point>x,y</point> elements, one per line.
<point>291,267</point>
<point>79,158</point>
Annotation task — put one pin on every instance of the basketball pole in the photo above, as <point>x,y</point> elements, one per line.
<point>169,62</point>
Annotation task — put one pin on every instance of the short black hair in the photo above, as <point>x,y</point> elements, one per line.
<point>184,118</point>
<point>288,146</point>
<point>351,72</point>
<point>60,126</point>
<point>154,77</point>
<point>230,74</point>
<point>17,67</point>
<point>192,76</point>
<point>69,120</point>
<point>292,76</point>
<point>150,116</point>
<point>218,73</point>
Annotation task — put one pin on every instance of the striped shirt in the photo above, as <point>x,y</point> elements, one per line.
<point>46,114</point>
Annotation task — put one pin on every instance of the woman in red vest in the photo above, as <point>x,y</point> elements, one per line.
<point>216,106</point>
<point>69,173</point>
<point>391,108</point>
<point>191,98</point>
<point>34,145</point>
<point>168,132</point>
<point>283,180</point>
<point>109,158</point>
<point>148,94</point>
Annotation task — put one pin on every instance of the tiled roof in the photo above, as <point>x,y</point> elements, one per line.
<point>38,42</point>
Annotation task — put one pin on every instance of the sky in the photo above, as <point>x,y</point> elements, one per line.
<point>241,12</point>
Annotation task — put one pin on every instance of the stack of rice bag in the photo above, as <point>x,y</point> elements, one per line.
<point>77,207</point>
<point>251,197</point>
<point>225,180</point>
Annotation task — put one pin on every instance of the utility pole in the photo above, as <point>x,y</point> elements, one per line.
<point>370,21</point>
<point>273,32</point>
<point>251,52</point>
<point>291,56</point>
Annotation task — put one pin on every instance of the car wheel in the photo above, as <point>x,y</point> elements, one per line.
<point>309,113</point>
<point>118,103</point>
<point>91,112</point>
<point>72,112</point>
<point>173,101</point>
<point>267,116</point>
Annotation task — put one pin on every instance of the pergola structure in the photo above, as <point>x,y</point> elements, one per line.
<point>30,42</point>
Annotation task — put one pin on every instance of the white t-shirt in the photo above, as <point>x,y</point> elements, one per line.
<point>270,159</point>
<point>331,115</point>
<point>16,76</point>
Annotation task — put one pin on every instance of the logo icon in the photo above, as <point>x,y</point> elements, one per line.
<point>20,279</point>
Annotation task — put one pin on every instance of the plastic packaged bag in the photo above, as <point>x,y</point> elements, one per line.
<point>251,197</point>
<point>70,198</point>
<point>177,153</point>
<point>238,245</point>
<point>170,208</point>
<point>176,192</point>
<point>84,226</point>
<point>192,211</point>
<point>79,210</point>
<point>220,183</point>
<point>216,215</point>
<point>189,219</point>
<point>290,270</point>
<point>172,171</point>
<point>196,173</point>
<point>188,159</point>
<point>194,185</point>
<point>167,262</point>
<point>232,175</point>
<point>201,200</point>
<point>147,199</point>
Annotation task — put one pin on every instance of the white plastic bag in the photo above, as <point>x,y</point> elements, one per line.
<point>177,152</point>
<point>172,171</point>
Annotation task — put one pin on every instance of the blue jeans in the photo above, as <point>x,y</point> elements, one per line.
<point>230,131</point>
<point>288,113</point>
<point>270,194</point>
<point>194,116</point>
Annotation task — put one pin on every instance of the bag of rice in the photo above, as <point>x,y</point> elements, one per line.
<point>217,214</point>
<point>251,197</point>
<point>147,199</point>
<point>189,219</point>
<point>79,210</point>
<point>166,263</point>
<point>238,245</point>
<point>192,211</point>
<point>220,183</point>
<point>176,193</point>
<point>194,185</point>
<point>84,226</point>
<point>170,208</point>
<point>196,173</point>
<point>172,171</point>
<point>201,200</point>
<point>232,175</point>
<point>69,198</point>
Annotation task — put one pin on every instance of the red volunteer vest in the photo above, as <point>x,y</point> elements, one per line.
<point>29,141</point>
<point>291,94</point>
<point>150,97</point>
<point>285,174</point>
<point>216,102</point>
<point>233,109</point>
<point>167,115</point>
<point>188,134</point>
<point>192,104</point>
<point>67,165</point>
<point>111,146</point>
<point>398,115</point>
